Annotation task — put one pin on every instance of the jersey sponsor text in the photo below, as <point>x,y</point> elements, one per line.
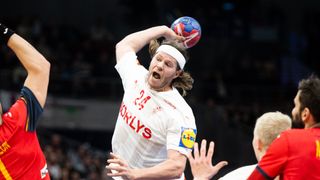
<point>4,147</point>
<point>134,123</point>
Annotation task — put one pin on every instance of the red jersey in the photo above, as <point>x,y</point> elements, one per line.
<point>21,157</point>
<point>294,155</point>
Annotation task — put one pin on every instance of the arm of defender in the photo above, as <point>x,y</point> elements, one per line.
<point>37,66</point>
<point>201,164</point>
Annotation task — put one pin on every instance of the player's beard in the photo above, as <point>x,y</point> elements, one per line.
<point>297,122</point>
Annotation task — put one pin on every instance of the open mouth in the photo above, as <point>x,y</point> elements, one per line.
<point>156,75</point>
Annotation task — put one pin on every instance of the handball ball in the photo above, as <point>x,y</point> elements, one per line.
<point>189,28</point>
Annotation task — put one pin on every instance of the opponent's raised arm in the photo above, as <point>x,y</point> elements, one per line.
<point>201,162</point>
<point>136,41</point>
<point>38,68</point>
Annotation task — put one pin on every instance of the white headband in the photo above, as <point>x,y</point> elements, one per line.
<point>174,53</point>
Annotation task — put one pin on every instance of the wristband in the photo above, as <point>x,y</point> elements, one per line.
<point>5,34</point>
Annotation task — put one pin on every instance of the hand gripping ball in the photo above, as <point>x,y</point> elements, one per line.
<point>189,28</point>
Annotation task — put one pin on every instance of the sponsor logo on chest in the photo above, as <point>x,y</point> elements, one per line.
<point>134,123</point>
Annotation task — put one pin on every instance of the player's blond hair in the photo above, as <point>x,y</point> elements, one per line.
<point>184,81</point>
<point>269,126</point>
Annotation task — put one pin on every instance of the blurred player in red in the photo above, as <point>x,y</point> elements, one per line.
<point>296,153</point>
<point>21,157</point>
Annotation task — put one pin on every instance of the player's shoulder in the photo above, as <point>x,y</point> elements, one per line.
<point>294,131</point>
<point>181,100</point>
<point>17,111</point>
<point>294,134</point>
<point>19,105</point>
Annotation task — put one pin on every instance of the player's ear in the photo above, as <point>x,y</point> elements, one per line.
<point>305,114</point>
<point>260,145</point>
<point>178,73</point>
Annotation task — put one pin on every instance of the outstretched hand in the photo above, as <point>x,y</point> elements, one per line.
<point>201,165</point>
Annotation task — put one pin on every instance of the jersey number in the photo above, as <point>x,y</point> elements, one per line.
<point>141,100</point>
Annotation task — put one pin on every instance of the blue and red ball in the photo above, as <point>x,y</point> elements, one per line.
<point>189,28</point>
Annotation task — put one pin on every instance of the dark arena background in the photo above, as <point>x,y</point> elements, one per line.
<point>250,57</point>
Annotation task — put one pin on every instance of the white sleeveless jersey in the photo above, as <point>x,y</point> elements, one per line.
<point>150,122</point>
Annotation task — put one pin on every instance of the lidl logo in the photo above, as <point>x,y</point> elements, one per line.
<point>188,137</point>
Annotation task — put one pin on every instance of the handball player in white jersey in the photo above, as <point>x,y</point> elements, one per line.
<point>156,127</point>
